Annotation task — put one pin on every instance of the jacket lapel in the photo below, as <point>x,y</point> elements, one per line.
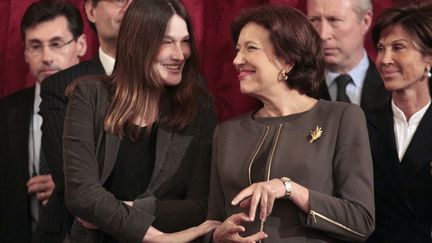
<point>385,156</point>
<point>163,142</point>
<point>419,150</point>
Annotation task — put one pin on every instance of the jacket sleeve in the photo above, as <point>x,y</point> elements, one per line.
<point>175,211</point>
<point>190,208</point>
<point>84,194</point>
<point>349,214</point>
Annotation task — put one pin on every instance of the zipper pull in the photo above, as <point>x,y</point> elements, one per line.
<point>312,213</point>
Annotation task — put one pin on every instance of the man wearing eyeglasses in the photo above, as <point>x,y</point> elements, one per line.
<point>52,33</point>
<point>105,17</point>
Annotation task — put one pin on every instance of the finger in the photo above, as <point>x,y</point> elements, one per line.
<point>254,203</point>
<point>238,218</point>
<point>245,203</point>
<point>270,203</point>
<point>263,206</point>
<point>232,229</point>
<point>245,193</point>
<point>257,236</point>
<point>39,179</point>
<point>39,187</point>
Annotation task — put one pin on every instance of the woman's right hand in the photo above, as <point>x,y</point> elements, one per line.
<point>155,236</point>
<point>229,230</point>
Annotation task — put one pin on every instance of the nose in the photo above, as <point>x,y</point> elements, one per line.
<point>177,53</point>
<point>238,59</point>
<point>324,30</point>
<point>47,55</point>
<point>384,57</point>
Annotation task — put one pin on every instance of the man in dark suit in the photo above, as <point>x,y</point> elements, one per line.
<point>53,39</point>
<point>105,18</point>
<point>351,76</point>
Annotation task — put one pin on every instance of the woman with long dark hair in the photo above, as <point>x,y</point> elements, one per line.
<point>137,143</point>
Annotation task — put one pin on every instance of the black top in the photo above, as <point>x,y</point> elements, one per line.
<point>133,168</point>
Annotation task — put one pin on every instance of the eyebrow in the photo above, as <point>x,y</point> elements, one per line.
<point>173,38</point>
<point>55,38</point>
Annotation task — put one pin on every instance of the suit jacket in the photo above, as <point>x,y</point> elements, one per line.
<point>403,190</point>
<point>373,93</point>
<point>55,220</point>
<point>176,197</point>
<point>336,168</point>
<point>15,219</point>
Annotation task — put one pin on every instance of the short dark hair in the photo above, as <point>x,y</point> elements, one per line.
<point>46,10</point>
<point>415,19</point>
<point>293,38</point>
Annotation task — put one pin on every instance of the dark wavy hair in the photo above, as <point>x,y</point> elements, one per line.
<point>415,19</point>
<point>294,39</point>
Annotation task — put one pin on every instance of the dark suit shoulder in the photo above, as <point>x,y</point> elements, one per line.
<point>60,80</point>
<point>376,115</point>
<point>18,98</point>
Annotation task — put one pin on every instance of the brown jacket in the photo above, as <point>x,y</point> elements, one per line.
<point>176,197</point>
<point>336,168</point>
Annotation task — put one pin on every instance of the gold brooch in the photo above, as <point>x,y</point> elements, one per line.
<point>315,134</point>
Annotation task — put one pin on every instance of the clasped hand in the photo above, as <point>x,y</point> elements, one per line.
<point>262,193</point>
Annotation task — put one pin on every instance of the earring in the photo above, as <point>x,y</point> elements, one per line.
<point>283,75</point>
<point>428,73</point>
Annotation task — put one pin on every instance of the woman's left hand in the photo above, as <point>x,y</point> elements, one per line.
<point>264,193</point>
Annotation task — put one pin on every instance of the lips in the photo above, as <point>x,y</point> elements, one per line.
<point>388,72</point>
<point>173,66</point>
<point>242,73</point>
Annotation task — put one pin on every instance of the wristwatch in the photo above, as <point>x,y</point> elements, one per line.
<point>287,183</point>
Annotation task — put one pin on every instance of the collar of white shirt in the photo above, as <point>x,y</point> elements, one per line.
<point>107,61</point>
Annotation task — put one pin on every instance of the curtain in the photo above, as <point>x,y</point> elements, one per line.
<point>211,20</point>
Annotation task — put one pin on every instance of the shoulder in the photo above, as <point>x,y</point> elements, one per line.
<point>338,109</point>
<point>62,79</point>
<point>236,123</point>
<point>18,98</point>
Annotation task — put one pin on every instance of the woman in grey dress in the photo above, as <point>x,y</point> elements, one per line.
<point>297,169</point>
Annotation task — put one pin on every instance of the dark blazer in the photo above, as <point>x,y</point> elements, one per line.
<point>15,218</point>
<point>373,93</point>
<point>336,168</point>
<point>176,197</point>
<point>55,220</point>
<point>403,190</point>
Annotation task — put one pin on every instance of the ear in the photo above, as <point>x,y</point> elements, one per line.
<point>81,45</point>
<point>366,21</point>
<point>288,66</point>
<point>89,10</point>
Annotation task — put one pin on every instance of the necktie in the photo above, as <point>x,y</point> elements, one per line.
<point>342,81</point>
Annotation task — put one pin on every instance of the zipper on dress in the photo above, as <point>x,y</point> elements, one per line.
<point>257,149</point>
<point>315,214</point>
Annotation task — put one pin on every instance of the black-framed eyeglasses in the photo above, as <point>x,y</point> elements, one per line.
<point>118,3</point>
<point>57,46</point>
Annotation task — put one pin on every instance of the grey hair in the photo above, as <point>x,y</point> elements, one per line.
<point>360,7</point>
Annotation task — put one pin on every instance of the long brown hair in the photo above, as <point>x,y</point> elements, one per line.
<point>137,90</point>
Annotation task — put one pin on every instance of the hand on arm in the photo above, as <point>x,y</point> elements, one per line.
<point>155,236</point>
<point>42,186</point>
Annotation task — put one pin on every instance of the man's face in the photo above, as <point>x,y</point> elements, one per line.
<point>50,47</point>
<point>342,31</point>
<point>107,15</point>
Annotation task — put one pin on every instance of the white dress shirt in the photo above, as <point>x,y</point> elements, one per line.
<point>107,61</point>
<point>404,130</point>
<point>34,147</point>
<point>354,89</point>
